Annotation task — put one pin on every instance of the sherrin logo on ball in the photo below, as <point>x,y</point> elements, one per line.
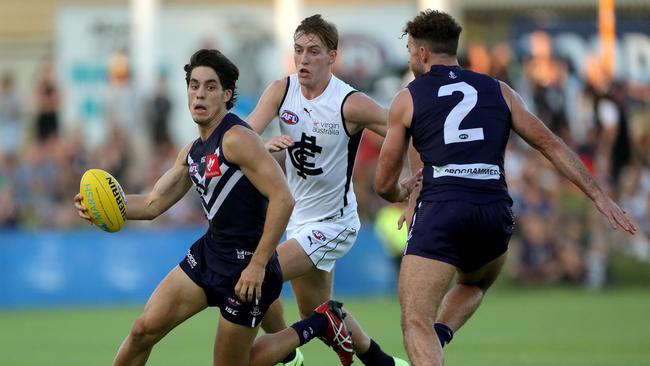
<point>104,199</point>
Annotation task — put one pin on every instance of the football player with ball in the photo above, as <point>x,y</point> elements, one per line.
<point>234,266</point>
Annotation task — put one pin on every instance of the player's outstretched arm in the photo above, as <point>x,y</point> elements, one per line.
<point>391,156</point>
<point>360,111</point>
<point>267,107</point>
<point>244,147</point>
<point>264,112</point>
<point>168,190</point>
<point>534,132</point>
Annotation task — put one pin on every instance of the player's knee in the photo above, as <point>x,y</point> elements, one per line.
<point>145,333</point>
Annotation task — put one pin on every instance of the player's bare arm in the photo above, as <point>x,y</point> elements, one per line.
<point>264,112</point>
<point>534,132</point>
<point>168,190</point>
<point>244,147</point>
<point>392,152</point>
<point>360,111</point>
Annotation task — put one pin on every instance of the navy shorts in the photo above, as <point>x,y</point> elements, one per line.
<point>464,234</point>
<point>219,286</point>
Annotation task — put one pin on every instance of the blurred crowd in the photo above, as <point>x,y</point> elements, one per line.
<point>559,234</point>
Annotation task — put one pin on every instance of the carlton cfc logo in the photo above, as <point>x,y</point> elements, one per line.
<point>289,117</point>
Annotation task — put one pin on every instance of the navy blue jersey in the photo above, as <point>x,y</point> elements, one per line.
<point>460,127</point>
<point>235,208</point>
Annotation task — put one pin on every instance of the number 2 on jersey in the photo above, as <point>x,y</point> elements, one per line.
<point>453,133</point>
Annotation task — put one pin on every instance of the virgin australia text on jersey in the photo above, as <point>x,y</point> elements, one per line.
<point>325,128</point>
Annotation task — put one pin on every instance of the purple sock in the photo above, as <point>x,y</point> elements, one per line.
<point>445,334</point>
<point>308,328</point>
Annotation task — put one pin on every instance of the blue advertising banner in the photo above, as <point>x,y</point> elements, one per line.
<point>55,268</point>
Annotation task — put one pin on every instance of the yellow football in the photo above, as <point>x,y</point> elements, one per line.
<point>104,199</point>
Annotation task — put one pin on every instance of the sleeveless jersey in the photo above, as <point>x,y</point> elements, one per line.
<point>320,163</point>
<point>460,127</point>
<point>235,209</point>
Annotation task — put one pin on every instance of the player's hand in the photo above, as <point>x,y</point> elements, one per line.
<point>406,217</point>
<point>82,211</point>
<point>401,220</point>
<point>278,143</point>
<point>411,183</point>
<point>617,216</point>
<point>249,286</point>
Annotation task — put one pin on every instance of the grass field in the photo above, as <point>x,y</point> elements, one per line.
<point>525,327</point>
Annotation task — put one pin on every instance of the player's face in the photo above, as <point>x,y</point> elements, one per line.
<point>312,59</point>
<point>205,96</point>
<point>415,62</point>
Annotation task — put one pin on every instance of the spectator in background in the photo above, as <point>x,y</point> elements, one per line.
<point>635,197</point>
<point>570,248</point>
<point>543,257</point>
<point>158,111</point>
<point>609,120</point>
<point>37,173</point>
<point>535,261</point>
<point>10,115</point>
<point>115,155</point>
<point>47,103</point>
<point>546,76</point>
<point>9,210</point>
<point>10,142</point>
<point>501,62</point>
<point>479,58</point>
<point>609,151</point>
<point>125,116</point>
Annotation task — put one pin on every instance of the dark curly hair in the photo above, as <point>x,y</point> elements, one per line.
<point>227,71</point>
<point>439,30</point>
<point>325,30</point>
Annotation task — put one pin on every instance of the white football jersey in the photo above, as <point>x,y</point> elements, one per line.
<point>320,163</point>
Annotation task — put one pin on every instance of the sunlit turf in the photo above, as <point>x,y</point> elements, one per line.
<point>521,327</point>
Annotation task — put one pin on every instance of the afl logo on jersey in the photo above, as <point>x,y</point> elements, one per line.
<point>289,117</point>
<point>194,169</point>
<point>318,235</point>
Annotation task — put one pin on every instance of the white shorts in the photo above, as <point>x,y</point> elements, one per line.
<point>326,241</point>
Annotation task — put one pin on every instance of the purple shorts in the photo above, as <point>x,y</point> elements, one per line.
<point>464,234</point>
<point>200,265</point>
